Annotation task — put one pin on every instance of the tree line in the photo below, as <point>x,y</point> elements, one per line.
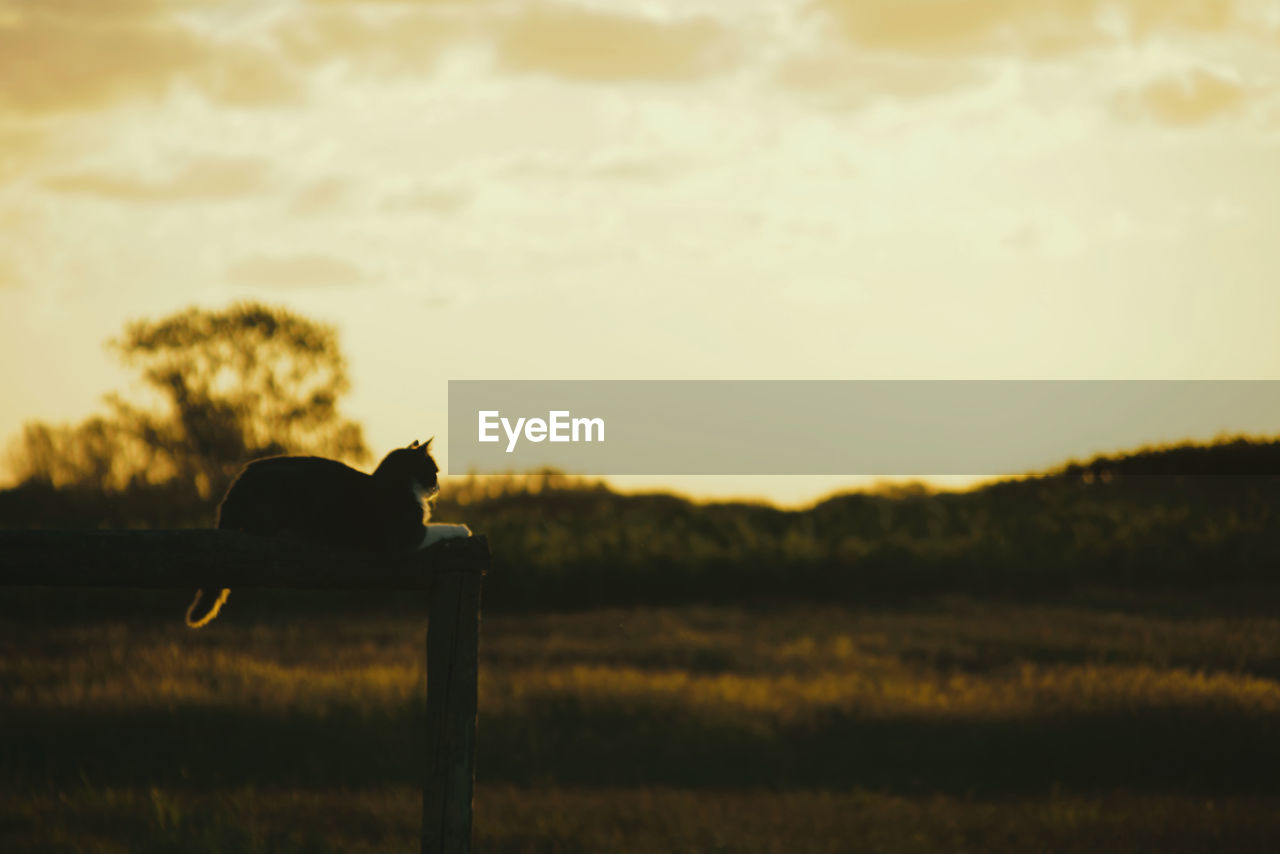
<point>248,381</point>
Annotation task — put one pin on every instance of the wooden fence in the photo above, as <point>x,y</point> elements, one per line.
<point>452,570</point>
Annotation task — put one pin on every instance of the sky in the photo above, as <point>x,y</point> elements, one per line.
<point>645,189</point>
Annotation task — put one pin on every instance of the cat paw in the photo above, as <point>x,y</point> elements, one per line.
<point>438,533</point>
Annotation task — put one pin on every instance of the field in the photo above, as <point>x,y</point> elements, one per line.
<point>1094,724</point>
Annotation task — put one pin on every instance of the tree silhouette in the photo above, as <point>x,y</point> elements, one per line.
<point>94,453</point>
<point>228,386</point>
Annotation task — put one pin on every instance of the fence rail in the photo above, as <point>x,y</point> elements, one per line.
<point>452,570</point>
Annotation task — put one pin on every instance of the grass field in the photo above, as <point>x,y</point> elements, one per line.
<point>1094,725</point>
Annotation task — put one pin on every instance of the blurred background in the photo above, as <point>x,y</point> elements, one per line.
<point>233,229</point>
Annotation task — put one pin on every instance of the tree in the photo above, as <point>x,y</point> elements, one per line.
<point>95,452</point>
<point>228,386</point>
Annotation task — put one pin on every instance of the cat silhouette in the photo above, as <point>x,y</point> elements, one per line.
<point>329,503</point>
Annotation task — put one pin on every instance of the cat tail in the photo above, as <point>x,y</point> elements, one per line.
<point>194,619</point>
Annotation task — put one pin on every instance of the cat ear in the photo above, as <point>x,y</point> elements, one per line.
<point>427,447</point>
<point>414,444</point>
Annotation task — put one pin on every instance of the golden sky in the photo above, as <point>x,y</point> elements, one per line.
<point>748,189</point>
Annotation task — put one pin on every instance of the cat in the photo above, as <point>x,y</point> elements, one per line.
<point>323,501</point>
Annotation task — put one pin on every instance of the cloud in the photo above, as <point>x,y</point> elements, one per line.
<point>918,26</point>
<point>395,41</point>
<point>247,77</point>
<point>846,78</point>
<point>9,278</point>
<point>630,166</point>
<point>19,148</point>
<point>447,4</point>
<point>617,164</point>
<point>202,179</point>
<point>49,64</point>
<point>96,9</point>
<point>437,198</point>
<point>323,196</point>
<point>1204,16</point>
<point>945,27</point>
<point>1183,100</point>
<point>295,271</point>
<point>918,48</point>
<point>1042,28</point>
<point>64,56</point>
<point>579,44</point>
<point>597,46</point>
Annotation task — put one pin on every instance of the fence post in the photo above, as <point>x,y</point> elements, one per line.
<point>453,646</point>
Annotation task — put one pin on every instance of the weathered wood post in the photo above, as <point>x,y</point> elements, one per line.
<point>453,572</point>
<point>453,648</point>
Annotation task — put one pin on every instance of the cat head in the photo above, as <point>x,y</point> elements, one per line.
<point>414,467</point>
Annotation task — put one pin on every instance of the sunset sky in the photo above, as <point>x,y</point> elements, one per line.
<point>745,189</point>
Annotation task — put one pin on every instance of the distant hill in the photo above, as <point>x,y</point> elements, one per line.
<point>1187,514</point>
<point>1233,456</point>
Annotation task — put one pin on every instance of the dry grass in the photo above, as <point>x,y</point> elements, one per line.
<point>956,726</point>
